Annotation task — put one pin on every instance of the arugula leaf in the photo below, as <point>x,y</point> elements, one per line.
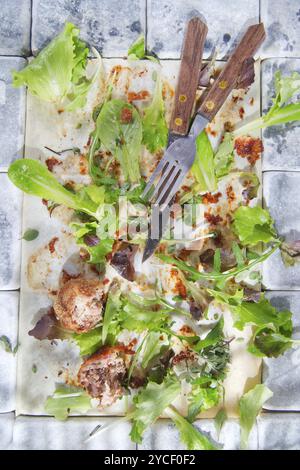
<point>149,404</point>
<point>203,396</point>
<point>253,225</point>
<point>285,88</point>
<point>34,178</point>
<point>155,129</point>
<point>224,156</point>
<point>203,168</point>
<point>219,420</point>
<point>6,344</point>
<point>67,399</point>
<point>88,342</point>
<point>119,128</point>
<point>192,437</point>
<point>250,405</point>
<point>195,275</point>
<point>59,71</point>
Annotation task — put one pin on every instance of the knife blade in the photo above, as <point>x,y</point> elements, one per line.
<point>186,88</point>
<point>183,151</point>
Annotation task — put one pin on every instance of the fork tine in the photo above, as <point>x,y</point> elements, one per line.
<point>162,166</point>
<point>162,184</point>
<point>172,189</point>
<point>166,187</point>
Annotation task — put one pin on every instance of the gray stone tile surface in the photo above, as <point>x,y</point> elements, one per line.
<point>9,305</point>
<point>163,435</point>
<point>282,197</point>
<point>10,234</point>
<point>15,23</point>
<point>279,431</point>
<point>281,143</point>
<point>6,430</point>
<point>282,22</point>
<point>110,25</point>
<point>282,374</point>
<point>12,112</point>
<point>167,18</point>
<point>41,433</point>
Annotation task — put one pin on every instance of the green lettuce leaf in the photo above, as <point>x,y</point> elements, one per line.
<point>250,405</point>
<point>155,343</point>
<point>205,394</point>
<point>119,128</point>
<point>59,71</point>
<point>88,342</point>
<point>98,248</point>
<point>192,437</point>
<point>67,399</point>
<point>285,89</point>
<point>155,130</point>
<point>253,225</point>
<point>149,404</point>
<point>224,156</point>
<point>203,168</point>
<point>212,338</point>
<point>137,51</point>
<point>111,327</point>
<point>34,178</point>
<point>219,420</point>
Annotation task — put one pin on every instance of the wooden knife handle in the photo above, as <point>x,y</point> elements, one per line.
<point>191,57</point>
<point>226,81</point>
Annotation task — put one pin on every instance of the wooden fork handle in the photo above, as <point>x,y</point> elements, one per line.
<point>191,57</point>
<point>226,81</point>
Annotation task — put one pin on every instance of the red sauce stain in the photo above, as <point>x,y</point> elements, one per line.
<point>136,96</point>
<point>249,147</point>
<point>230,194</point>
<point>179,288</point>
<point>209,198</point>
<point>210,131</point>
<point>105,281</point>
<point>83,165</point>
<point>212,219</point>
<point>51,244</point>
<point>241,112</point>
<point>52,162</point>
<point>126,116</point>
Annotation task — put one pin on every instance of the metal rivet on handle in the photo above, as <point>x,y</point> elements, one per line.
<point>223,84</point>
<point>210,105</point>
<point>182,98</point>
<point>178,121</point>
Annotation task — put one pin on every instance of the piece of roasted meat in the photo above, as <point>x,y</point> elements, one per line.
<point>103,374</point>
<point>79,303</point>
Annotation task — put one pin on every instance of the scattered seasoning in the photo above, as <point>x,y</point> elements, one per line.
<point>251,101</point>
<point>30,234</point>
<point>140,95</point>
<point>126,116</point>
<point>212,219</point>
<point>230,194</point>
<point>52,162</point>
<point>241,112</point>
<point>209,198</point>
<point>249,147</point>
<point>51,244</point>
<point>210,131</point>
<point>179,286</point>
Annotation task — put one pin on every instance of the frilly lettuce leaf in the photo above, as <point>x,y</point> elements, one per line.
<point>253,225</point>
<point>155,130</point>
<point>88,342</point>
<point>58,73</point>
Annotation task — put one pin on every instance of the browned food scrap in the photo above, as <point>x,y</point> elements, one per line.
<point>51,244</point>
<point>212,219</point>
<point>122,260</point>
<point>179,288</point>
<point>52,162</point>
<point>241,112</point>
<point>249,147</point>
<point>126,116</point>
<point>137,96</point>
<point>209,198</point>
<point>230,194</point>
<point>78,305</point>
<point>103,375</point>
